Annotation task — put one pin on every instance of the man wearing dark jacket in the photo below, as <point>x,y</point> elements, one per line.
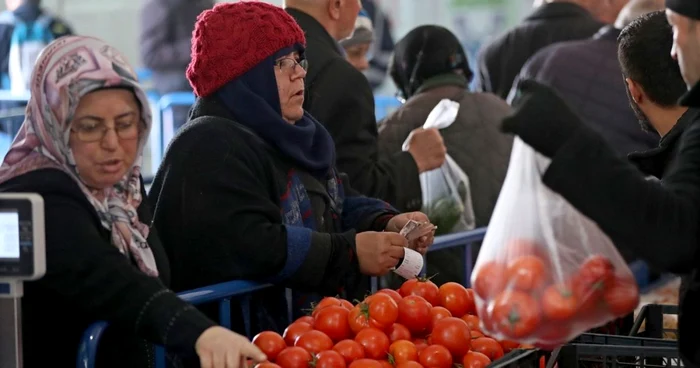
<point>555,21</point>
<point>339,96</point>
<point>587,73</point>
<point>659,221</point>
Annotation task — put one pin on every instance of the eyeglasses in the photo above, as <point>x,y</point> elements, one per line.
<point>290,65</point>
<point>96,132</point>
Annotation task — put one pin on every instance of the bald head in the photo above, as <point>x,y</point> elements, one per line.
<point>635,9</point>
<point>336,16</point>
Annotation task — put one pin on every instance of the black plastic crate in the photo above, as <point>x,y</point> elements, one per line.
<point>652,316</point>
<point>520,358</point>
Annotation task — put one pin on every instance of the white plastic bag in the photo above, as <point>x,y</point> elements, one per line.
<point>446,193</point>
<point>545,272</point>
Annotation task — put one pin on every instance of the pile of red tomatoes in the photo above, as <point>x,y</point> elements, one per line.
<point>420,325</point>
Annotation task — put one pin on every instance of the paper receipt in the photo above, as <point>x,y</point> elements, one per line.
<point>411,265</point>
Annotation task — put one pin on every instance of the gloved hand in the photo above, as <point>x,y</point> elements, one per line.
<point>541,118</point>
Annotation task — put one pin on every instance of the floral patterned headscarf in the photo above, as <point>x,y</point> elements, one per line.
<point>68,69</point>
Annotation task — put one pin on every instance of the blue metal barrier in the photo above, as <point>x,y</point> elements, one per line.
<point>385,105</point>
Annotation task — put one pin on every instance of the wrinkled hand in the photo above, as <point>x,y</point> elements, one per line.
<point>399,221</point>
<point>378,253</point>
<point>427,148</point>
<point>218,347</point>
<point>541,118</point>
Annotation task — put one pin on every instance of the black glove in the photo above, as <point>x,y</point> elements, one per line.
<point>541,118</point>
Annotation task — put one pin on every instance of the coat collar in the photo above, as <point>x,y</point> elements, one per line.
<point>314,29</point>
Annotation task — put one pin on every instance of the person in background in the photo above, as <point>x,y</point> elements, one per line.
<point>587,73</point>
<point>657,220</point>
<point>500,61</point>
<point>80,148</point>
<point>347,112</point>
<point>429,64</point>
<point>250,191</point>
<point>358,45</point>
<point>165,44</point>
<point>382,47</point>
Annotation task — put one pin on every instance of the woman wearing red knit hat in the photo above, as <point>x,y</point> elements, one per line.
<point>248,189</point>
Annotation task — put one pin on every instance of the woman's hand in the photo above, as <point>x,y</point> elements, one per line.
<point>399,221</point>
<point>378,253</point>
<point>218,347</point>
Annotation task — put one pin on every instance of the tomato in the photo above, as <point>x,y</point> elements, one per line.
<point>325,302</point>
<point>475,359</point>
<point>293,331</point>
<point>410,364</point>
<point>452,333</point>
<point>306,319</point>
<point>552,335</point>
<point>592,279</point>
<point>346,304</point>
<point>415,314</point>
<point>559,302</point>
<point>365,363</point>
<point>392,293</point>
<point>270,343</point>
<point>456,299</point>
<point>422,287</point>
<point>386,364</point>
<point>403,351</point>
<point>375,342</point>
<point>523,247</point>
<point>622,296</point>
<point>508,346</point>
<point>472,322</point>
<point>476,334</point>
<point>350,350</point>
<point>379,311</point>
<point>527,273</point>
<point>515,313</point>
<point>489,280</point>
<point>267,365</point>
<point>293,357</point>
<point>488,346</point>
<point>435,356</point>
<point>333,321</point>
<point>329,359</point>
<point>438,313</point>
<point>397,332</point>
<point>420,344</point>
<point>314,342</point>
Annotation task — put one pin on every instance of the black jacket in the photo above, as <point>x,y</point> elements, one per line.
<point>588,76</point>
<point>223,200</point>
<point>87,279</point>
<point>340,97</point>
<point>657,220</point>
<point>501,61</point>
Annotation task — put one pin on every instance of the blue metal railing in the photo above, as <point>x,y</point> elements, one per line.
<point>224,292</point>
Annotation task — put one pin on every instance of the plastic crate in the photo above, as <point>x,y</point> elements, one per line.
<point>520,358</point>
<point>652,317</point>
<point>593,350</point>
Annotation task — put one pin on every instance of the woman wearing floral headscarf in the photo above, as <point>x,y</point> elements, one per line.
<point>80,148</point>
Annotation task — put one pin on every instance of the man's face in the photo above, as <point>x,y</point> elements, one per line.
<point>348,15</point>
<point>686,46</point>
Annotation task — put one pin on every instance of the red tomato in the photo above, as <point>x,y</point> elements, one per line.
<point>270,343</point>
<point>488,346</point>
<point>350,350</point>
<point>378,310</point>
<point>392,293</point>
<point>515,313</point>
<point>397,332</point>
<point>438,313</point>
<point>414,313</point>
<point>293,331</point>
<point>527,273</point>
<point>306,319</point>
<point>333,321</point>
<point>452,333</point>
<point>423,288</point>
<point>325,302</point>
<point>552,335</point>
<point>420,344</point>
<point>375,342</point>
<point>622,296</point>
<point>346,304</point>
<point>267,365</point>
<point>435,356</point>
<point>329,359</point>
<point>472,322</point>
<point>592,279</point>
<point>366,363</point>
<point>293,357</point>
<point>475,359</point>
<point>508,346</point>
<point>476,334</point>
<point>409,364</point>
<point>559,302</point>
<point>385,364</point>
<point>456,299</point>
<point>314,342</point>
<point>489,280</point>
<point>403,351</point>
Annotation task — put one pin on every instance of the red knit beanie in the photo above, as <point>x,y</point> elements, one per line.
<point>232,38</point>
